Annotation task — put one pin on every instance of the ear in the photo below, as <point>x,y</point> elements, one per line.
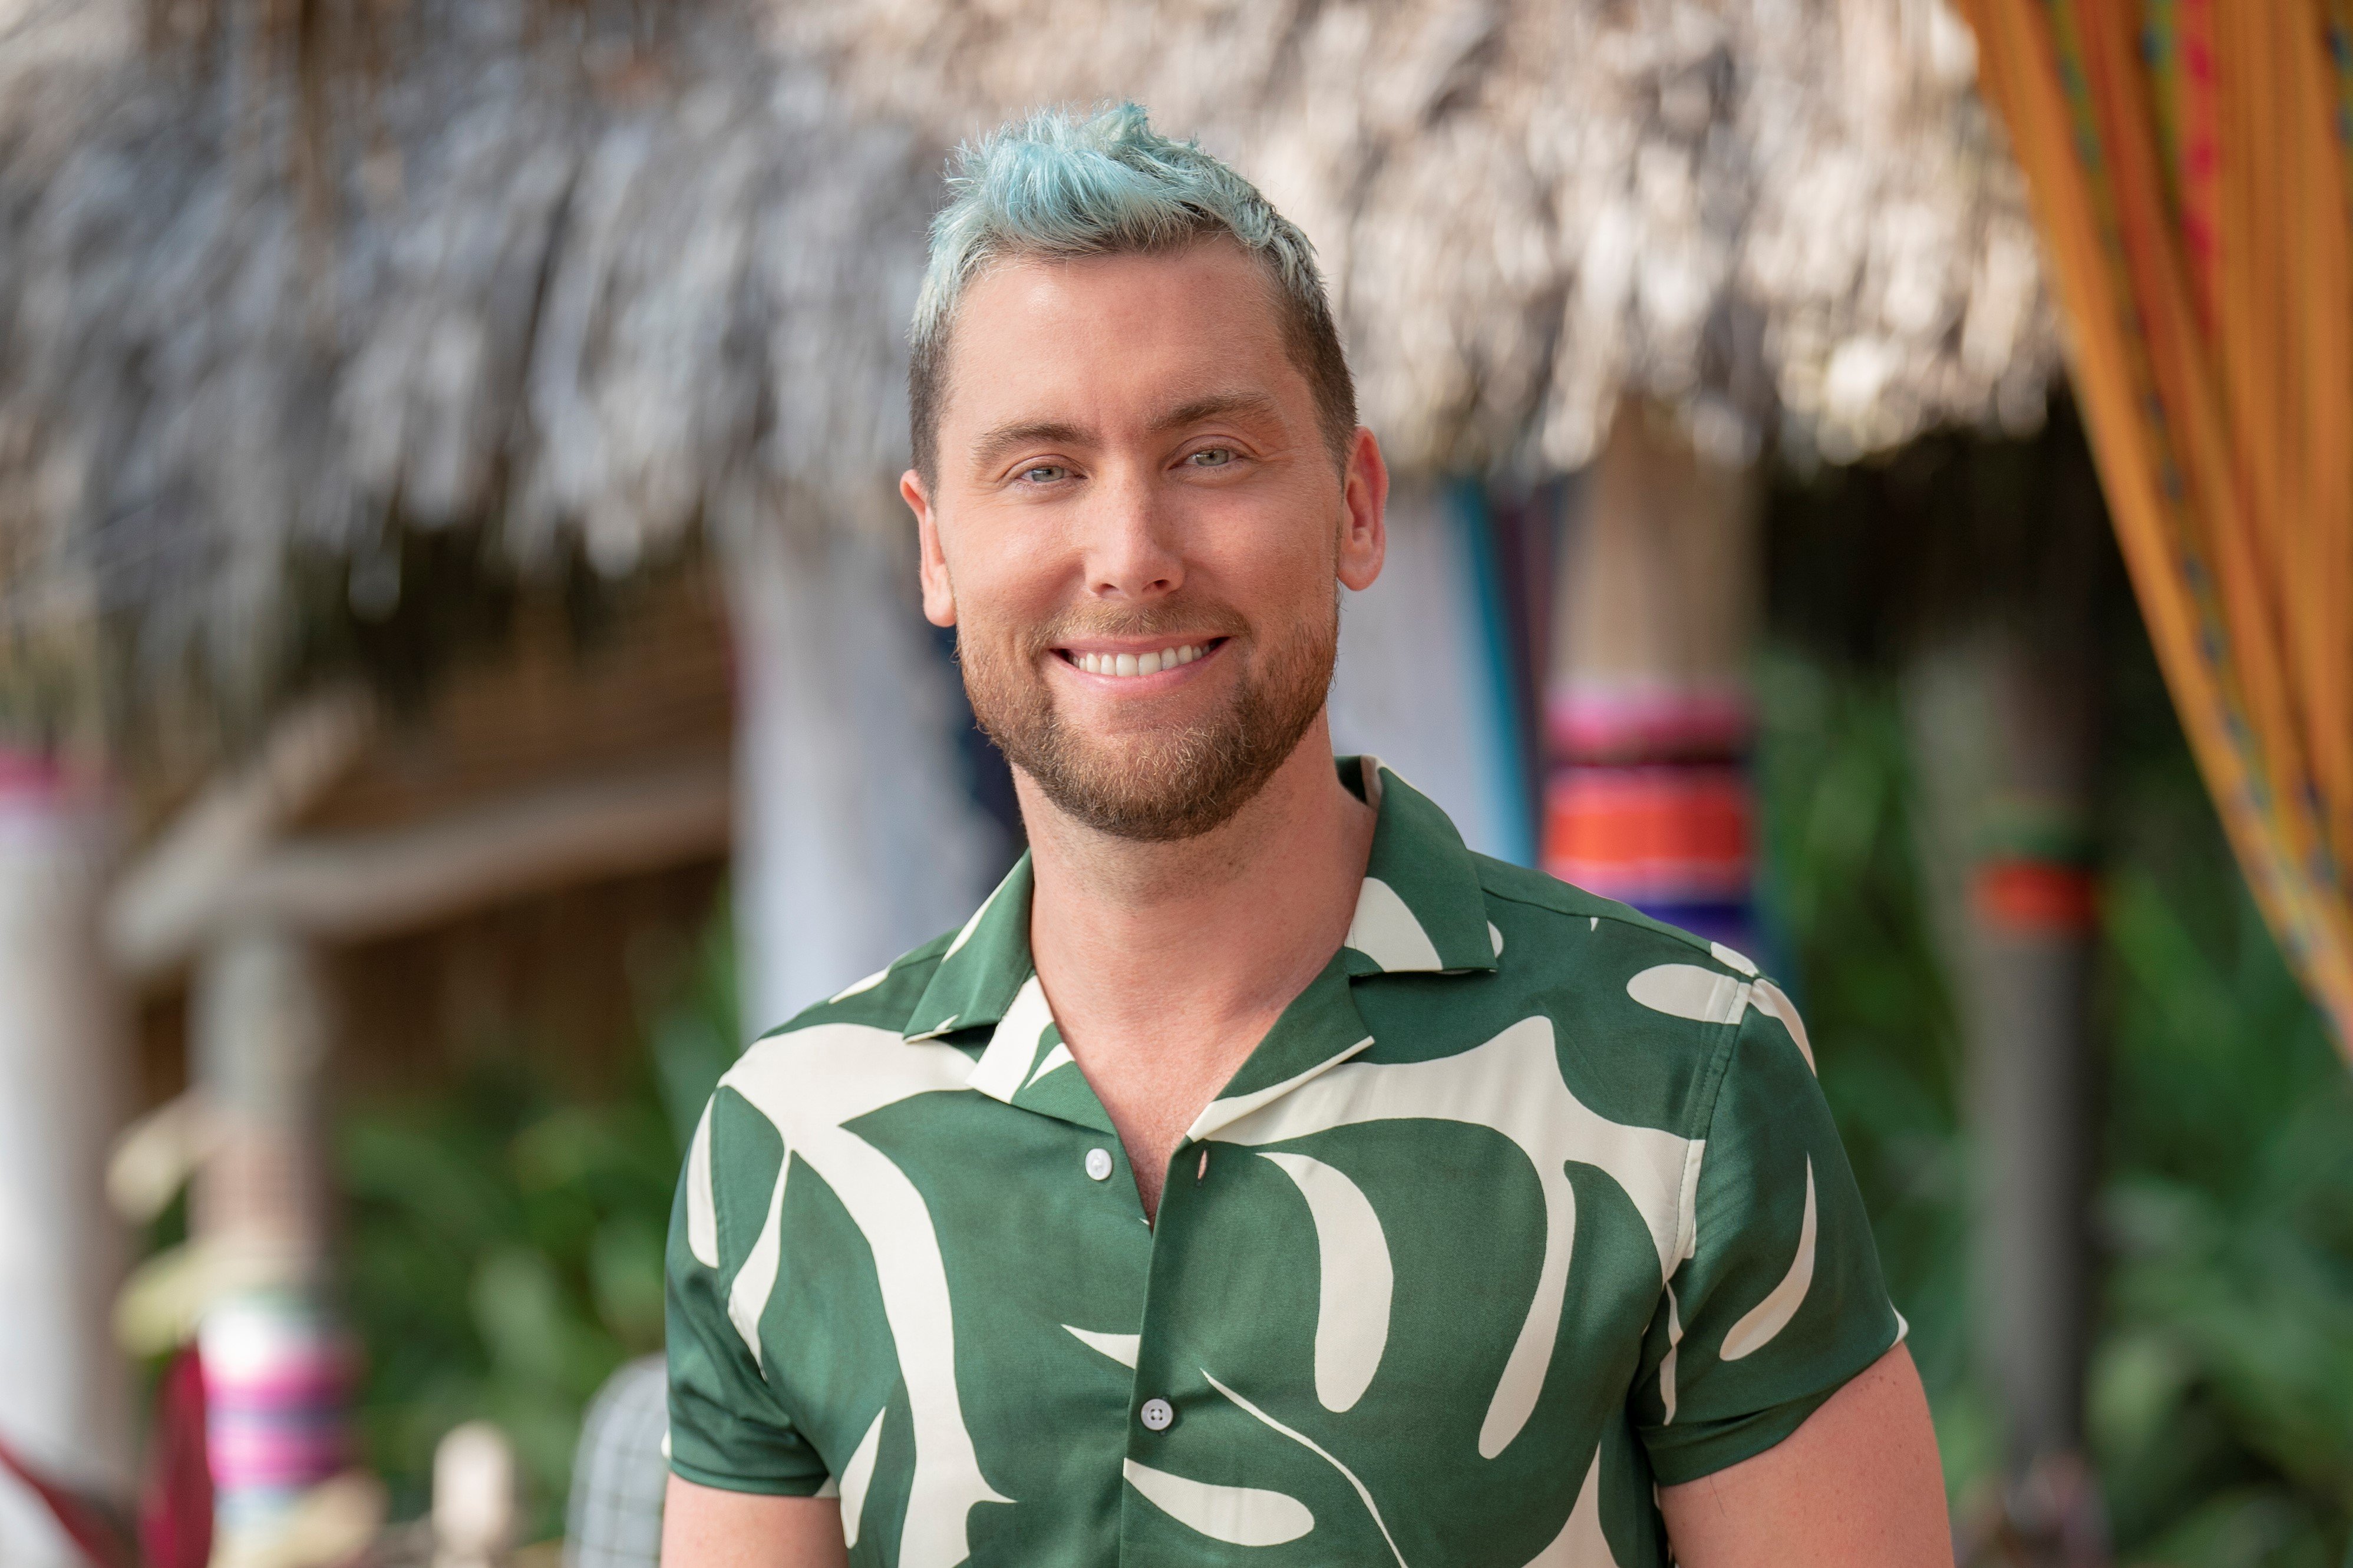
<point>1364,529</point>
<point>939,594</point>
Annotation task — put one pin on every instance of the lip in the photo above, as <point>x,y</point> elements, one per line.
<point>1062,653</point>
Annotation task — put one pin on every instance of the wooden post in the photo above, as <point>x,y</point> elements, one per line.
<point>857,833</point>
<point>2004,735</point>
<point>1648,708</point>
<point>277,1365</point>
<point>64,1081</point>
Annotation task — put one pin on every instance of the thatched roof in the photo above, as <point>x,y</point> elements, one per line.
<point>592,302</point>
<point>583,290</point>
<point>1753,209</point>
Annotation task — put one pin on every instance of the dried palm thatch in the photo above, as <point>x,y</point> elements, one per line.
<point>303,278</point>
<point>1752,209</point>
<point>594,299</point>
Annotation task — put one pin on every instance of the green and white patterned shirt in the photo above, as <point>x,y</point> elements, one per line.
<point>1526,1205</point>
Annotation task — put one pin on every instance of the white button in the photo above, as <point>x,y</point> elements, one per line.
<point>1098,1165</point>
<point>1157,1416</point>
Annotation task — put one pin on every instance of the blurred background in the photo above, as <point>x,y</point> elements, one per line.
<point>1875,486</point>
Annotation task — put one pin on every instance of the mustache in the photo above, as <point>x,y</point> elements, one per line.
<point>1199,620</point>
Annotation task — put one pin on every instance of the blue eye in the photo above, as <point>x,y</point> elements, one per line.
<point>1045,473</point>
<point>1212,458</point>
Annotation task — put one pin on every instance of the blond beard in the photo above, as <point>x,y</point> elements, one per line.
<point>1162,785</point>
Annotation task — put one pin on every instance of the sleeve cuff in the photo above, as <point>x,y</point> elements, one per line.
<point>1680,1453</point>
<point>761,1486</point>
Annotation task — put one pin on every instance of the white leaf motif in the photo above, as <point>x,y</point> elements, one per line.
<point>1122,1348</point>
<point>857,1476</point>
<point>1687,991</point>
<point>1757,1327</point>
<point>1352,1320</point>
<point>859,987</point>
<point>1767,997</point>
<point>1581,1543</point>
<point>1364,1493</point>
<point>1386,931</point>
<point>1731,958</point>
<point>1512,1084</point>
<point>809,1083</point>
<point>1013,1048</point>
<point>702,1206</point>
<point>1059,1056</point>
<point>1667,1362</point>
<point>1240,1516</point>
<point>747,1298</point>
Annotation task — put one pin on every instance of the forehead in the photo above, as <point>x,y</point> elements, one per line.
<point>1108,330</point>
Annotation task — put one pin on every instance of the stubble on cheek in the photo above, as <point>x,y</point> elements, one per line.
<point>1154,784</point>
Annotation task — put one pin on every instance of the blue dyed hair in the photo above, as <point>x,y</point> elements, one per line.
<point>1064,186</point>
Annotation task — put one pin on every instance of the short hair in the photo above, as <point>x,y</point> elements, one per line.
<point>1064,186</point>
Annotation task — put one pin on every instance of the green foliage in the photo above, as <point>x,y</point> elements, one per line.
<point>1845,896</point>
<point>2222,1393</point>
<point>2221,1389</point>
<point>504,1244</point>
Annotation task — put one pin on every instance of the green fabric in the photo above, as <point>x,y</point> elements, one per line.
<point>1527,1204</point>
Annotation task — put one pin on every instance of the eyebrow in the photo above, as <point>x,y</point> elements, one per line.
<point>994,445</point>
<point>1214,405</point>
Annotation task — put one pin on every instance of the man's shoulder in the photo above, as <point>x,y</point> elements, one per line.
<point>882,1000</point>
<point>1561,909</point>
<point>1624,984</point>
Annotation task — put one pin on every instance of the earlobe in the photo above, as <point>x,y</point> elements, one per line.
<point>932,564</point>
<point>939,594</point>
<point>1364,539</point>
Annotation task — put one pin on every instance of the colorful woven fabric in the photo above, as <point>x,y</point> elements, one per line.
<point>2188,160</point>
<point>277,1373</point>
<point>1649,800</point>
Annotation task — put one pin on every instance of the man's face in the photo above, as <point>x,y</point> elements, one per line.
<point>1137,528</point>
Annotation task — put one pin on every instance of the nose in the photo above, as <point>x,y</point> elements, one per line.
<point>1132,552</point>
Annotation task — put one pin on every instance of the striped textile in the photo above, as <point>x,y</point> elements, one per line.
<point>2190,170</point>
<point>1649,800</point>
<point>278,1373</point>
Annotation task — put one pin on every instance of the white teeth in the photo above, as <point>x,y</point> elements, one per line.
<point>1151,663</point>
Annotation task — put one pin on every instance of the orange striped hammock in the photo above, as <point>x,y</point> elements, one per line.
<point>2189,162</point>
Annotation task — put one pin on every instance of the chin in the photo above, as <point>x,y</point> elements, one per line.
<point>1167,781</point>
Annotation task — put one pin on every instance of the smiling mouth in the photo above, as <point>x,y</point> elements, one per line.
<point>1120,664</point>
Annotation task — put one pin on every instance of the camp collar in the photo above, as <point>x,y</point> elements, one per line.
<point>1421,910</point>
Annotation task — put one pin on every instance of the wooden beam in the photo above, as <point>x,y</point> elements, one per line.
<point>164,903</point>
<point>356,887</point>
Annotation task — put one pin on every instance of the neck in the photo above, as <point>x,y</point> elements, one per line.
<point>1275,885</point>
<point>1164,963</point>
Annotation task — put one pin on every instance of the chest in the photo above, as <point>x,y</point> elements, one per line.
<point>1152,1091</point>
<point>1366,1335</point>
<point>1153,1077</point>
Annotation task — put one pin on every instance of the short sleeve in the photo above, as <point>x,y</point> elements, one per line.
<point>727,1428</point>
<point>1781,1302</point>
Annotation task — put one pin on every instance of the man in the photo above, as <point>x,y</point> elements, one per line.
<point>1259,1177</point>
